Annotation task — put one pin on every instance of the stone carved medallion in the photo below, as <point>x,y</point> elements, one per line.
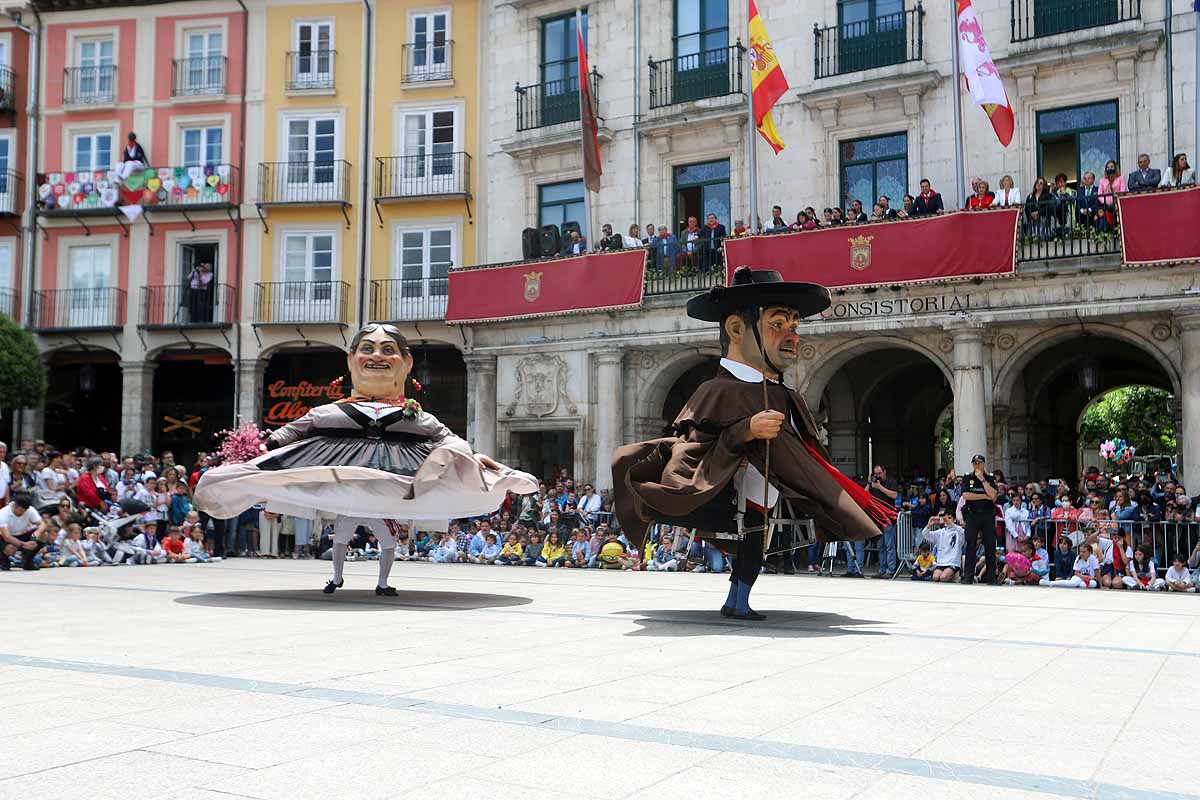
<point>541,384</point>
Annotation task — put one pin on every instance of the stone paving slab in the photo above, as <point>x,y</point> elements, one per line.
<point>242,680</point>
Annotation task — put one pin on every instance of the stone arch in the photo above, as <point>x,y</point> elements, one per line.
<point>154,353</point>
<point>1009,373</point>
<point>815,381</point>
<point>656,387</point>
<point>298,344</point>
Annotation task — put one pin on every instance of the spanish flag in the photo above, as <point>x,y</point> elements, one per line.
<point>766,79</point>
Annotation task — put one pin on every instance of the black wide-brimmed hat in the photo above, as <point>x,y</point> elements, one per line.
<point>758,287</point>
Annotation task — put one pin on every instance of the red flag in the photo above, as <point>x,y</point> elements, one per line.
<point>587,116</point>
<point>983,79</point>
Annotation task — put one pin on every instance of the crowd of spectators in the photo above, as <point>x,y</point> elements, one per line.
<point>94,509</point>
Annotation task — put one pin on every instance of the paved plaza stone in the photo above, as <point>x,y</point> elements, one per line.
<point>242,680</point>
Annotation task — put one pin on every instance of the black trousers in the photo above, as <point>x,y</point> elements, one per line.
<point>748,559</point>
<point>976,523</point>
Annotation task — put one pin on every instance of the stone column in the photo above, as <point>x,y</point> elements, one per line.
<point>250,373</point>
<point>1189,445</point>
<point>483,367</point>
<point>33,426</point>
<point>609,397</point>
<point>970,421</point>
<point>137,396</point>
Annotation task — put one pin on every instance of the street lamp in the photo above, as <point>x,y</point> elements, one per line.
<point>1089,375</point>
<point>87,379</point>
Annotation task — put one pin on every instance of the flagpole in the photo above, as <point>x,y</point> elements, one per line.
<point>587,194</point>
<point>1195,86</point>
<point>959,158</point>
<point>752,132</point>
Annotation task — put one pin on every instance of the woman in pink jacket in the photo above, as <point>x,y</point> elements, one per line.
<point>1111,184</point>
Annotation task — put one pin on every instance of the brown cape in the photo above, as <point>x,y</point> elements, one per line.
<point>676,475</point>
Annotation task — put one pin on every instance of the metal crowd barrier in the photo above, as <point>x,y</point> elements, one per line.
<point>1165,539</point>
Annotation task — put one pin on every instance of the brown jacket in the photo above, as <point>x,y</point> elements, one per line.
<point>676,475</point>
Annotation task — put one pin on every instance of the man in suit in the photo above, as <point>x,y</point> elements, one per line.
<point>928,201</point>
<point>576,245</point>
<point>1087,204</point>
<point>1143,179</point>
<point>711,235</point>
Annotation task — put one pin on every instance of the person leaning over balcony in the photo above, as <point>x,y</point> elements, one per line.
<point>928,201</point>
<point>906,208</point>
<point>711,236</point>
<point>1179,173</point>
<point>575,245</point>
<point>778,225</point>
<point>663,249</point>
<point>610,240</point>
<point>1143,179</point>
<point>1111,184</point>
<point>1009,194</point>
<point>133,157</point>
<point>632,240</point>
<point>856,214</point>
<point>1087,204</point>
<point>982,197</point>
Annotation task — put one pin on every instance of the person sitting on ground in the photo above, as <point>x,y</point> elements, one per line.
<point>1140,572</point>
<point>489,552</point>
<point>553,554</point>
<point>947,539</point>
<point>20,530</point>
<point>193,547</point>
<point>533,550</point>
<point>581,551</point>
<point>1179,577</point>
<point>1018,567</point>
<point>446,551</point>
<point>1085,572</point>
<point>96,550</point>
<point>174,547</point>
<point>923,566</point>
<point>1041,559</point>
<point>73,553</point>
<point>512,552</point>
<point>613,553</point>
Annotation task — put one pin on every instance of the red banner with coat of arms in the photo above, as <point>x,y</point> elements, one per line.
<point>955,246</point>
<point>1160,227</point>
<point>594,282</point>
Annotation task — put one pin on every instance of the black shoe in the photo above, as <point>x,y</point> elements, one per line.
<point>5,566</point>
<point>726,611</point>
<point>750,615</point>
<point>331,587</point>
<point>852,575</point>
<point>385,591</point>
<point>881,577</point>
<point>967,581</point>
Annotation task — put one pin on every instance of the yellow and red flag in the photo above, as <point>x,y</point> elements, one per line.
<point>983,79</point>
<point>766,79</point>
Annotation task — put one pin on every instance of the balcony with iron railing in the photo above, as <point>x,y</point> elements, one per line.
<point>310,71</point>
<point>551,103</point>
<point>8,303</point>
<point>11,182</point>
<point>1035,19</point>
<point>203,76</point>
<point>191,188</point>
<point>8,89</point>
<point>431,175</point>
<point>409,299</point>
<point>302,303</point>
<point>430,61</point>
<point>178,305</point>
<point>1055,229</point>
<point>878,41</point>
<point>95,309</point>
<point>696,76</point>
<point>312,183</point>
<point>90,86</point>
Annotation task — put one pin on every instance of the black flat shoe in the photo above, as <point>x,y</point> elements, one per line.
<point>331,587</point>
<point>750,615</point>
<point>385,591</point>
<point>726,611</point>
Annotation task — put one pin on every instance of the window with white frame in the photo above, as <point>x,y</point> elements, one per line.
<point>312,61</point>
<point>425,257</point>
<point>203,68</point>
<point>310,291</point>
<point>312,169</point>
<point>429,51</point>
<point>92,301</point>
<point>8,284</point>
<point>93,152</point>
<point>428,153</point>
<point>93,79</point>
<point>202,146</point>
<point>8,185</point>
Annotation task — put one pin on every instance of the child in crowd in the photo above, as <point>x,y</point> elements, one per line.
<point>663,558</point>
<point>73,553</point>
<point>1018,567</point>
<point>193,546</point>
<point>1141,573</point>
<point>946,537</point>
<point>613,553</point>
<point>554,554</point>
<point>923,568</point>
<point>446,551</point>
<point>489,552</point>
<point>149,547</point>
<point>1040,565</point>
<point>424,543</point>
<point>1064,557</point>
<point>533,551</point>
<point>512,553</point>
<point>1086,569</point>
<point>173,546</point>
<point>581,550</point>
<point>96,550</point>
<point>1179,577</point>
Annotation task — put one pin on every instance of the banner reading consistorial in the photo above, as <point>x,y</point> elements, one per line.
<point>1160,227</point>
<point>964,244</point>
<point>595,282</point>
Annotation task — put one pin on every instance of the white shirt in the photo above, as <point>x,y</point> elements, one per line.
<point>631,242</point>
<point>947,544</point>
<point>5,479</point>
<point>50,479</point>
<point>18,525</point>
<point>752,480</point>
<point>1016,522</point>
<point>1178,575</point>
<point>1089,568</point>
<point>589,505</point>
<point>1009,197</point>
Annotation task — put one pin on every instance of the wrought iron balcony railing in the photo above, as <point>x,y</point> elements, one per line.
<point>714,73</point>
<point>404,299</point>
<point>180,306</point>
<point>444,174</point>
<point>302,302</point>
<point>310,70</point>
<point>100,308</point>
<point>90,86</point>
<point>10,192</point>
<point>1034,19</point>
<point>878,41</point>
<point>1058,228</point>
<point>552,102</point>
<point>427,62</point>
<point>212,186</point>
<point>8,303</point>
<point>304,183</point>
<point>8,89</point>
<point>198,77</point>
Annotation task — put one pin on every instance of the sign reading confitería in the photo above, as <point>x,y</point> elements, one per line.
<point>898,306</point>
<point>291,401</point>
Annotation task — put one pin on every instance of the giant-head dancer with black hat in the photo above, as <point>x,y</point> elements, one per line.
<point>693,478</point>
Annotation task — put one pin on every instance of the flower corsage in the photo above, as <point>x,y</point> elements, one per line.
<point>411,408</point>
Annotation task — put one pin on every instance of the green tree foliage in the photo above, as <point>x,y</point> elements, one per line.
<point>1138,414</point>
<point>22,374</point>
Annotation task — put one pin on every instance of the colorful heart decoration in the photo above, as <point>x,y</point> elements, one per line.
<point>50,201</point>
<point>135,182</point>
<point>223,189</point>
<point>177,194</point>
<point>54,177</point>
<point>223,170</point>
<point>195,173</point>
<point>168,184</point>
<point>109,196</point>
<point>148,197</point>
<point>88,187</point>
<point>153,184</point>
<point>213,180</point>
<point>192,193</point>
<point>164,173</point>
<point>59,189</point>
<point>68,177</point>
<point>73,187</point>
<point>44,191</point>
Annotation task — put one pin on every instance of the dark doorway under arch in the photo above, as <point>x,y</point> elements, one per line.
<point>83,400</point>
<point>685,387</point>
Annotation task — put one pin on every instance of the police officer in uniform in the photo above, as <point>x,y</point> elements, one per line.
<point>979,516</point>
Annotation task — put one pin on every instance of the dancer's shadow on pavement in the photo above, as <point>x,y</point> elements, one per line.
<point>352,600</point>
<point>778,624</point>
